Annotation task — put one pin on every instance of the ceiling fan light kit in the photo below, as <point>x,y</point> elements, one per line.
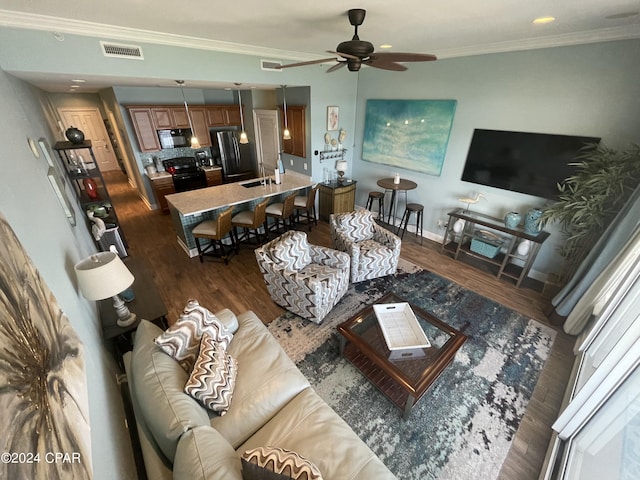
<point>355,52</point>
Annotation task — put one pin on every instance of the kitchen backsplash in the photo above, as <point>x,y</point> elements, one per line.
<point>168,153</point>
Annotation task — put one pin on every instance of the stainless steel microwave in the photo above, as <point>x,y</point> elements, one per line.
<point>176,138</point>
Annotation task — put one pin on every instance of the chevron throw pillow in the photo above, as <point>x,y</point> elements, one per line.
<point>181,340</point>
<point>274,463</point>
<point>292,251</point>
<point>213,377</point>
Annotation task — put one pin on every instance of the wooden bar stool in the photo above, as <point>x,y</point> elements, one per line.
<point>282,211</point>
<point>251,221</point>
<point>215,231</point>
<point>416,208</point>
<point>376,196</point>
<point>307,204</point>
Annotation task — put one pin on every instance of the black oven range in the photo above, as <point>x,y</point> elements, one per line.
<point>186,173</point>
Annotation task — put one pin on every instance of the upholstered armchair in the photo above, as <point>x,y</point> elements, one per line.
<point>306,279</point>
<point>374,250</point>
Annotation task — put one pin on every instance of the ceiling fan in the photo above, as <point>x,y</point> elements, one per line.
<point>355,52</point>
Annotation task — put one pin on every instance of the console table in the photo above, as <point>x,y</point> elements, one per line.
<point>502,241</point>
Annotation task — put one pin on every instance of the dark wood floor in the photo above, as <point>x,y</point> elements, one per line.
<point>239,286</point>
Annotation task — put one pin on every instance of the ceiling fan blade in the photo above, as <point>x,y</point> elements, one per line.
<point>310,62</point>
<point>337,66</point>
<point>344,55</point>
<point>403,57</point>
<point>385,65</point>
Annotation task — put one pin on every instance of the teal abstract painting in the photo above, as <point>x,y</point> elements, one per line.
<point>411,134</point>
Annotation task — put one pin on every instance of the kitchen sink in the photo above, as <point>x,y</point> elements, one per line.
<point>255,183</point>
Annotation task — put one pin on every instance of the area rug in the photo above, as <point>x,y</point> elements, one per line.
<point>463,426</point>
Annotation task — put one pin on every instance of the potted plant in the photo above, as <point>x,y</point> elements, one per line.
<point>590,199</point>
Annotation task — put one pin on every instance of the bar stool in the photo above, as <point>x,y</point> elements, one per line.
<point>307,204</point>
<point>251,220</point>
<point>409,209</point>
<point>281,211</point>
<point>376,196</point>
<point>215,230</point>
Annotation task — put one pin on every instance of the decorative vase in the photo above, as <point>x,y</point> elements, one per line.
<point>512,219</point>
<point>90,187</point>
<point>74,135</point>
<point>531,220</point>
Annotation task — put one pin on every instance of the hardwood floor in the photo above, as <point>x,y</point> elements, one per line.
<point>239,286</point>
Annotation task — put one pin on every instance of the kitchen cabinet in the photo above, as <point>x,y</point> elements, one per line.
<point>148,119</point>
<point>336,197</point>
<point>296,121</point>
<point>162,186</point>
<point>214,176</point>
<point>223,115</point>
<point>486,239</point>
<point>200,127</point>
<point>81,168</point>
<point>145,128</point>
<point>162,117</point>
<point>179,117</point>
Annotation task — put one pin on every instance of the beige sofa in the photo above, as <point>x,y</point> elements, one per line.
<point>273,405</point>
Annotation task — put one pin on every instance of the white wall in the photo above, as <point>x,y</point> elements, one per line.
<point>31,208</point>
<point>590,90</point>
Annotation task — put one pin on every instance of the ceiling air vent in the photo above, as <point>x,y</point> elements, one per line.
<point>120,50</point>
<point>270,65</point>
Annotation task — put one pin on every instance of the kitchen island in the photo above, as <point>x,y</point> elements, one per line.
<point>190,208</point>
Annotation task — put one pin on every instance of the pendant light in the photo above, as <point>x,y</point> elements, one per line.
<point>286,135</point>
<point>243,134</point>
<point>194,138</point>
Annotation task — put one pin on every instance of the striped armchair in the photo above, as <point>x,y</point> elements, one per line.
<point>308,280</point>
<point>374,250</point>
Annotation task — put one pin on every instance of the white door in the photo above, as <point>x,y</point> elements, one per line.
<point>267,138</point>
<point>90,122</point>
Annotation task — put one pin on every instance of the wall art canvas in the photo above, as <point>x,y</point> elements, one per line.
<point>44,424</point>
<point>410,134</point>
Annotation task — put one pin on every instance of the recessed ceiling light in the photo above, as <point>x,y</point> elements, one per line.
<point>78,80</point>
<point>543,20</point>
<point>74,86</point>
<point>386,45</point>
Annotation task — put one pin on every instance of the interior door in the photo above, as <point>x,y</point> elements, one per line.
<point>90,122</point>
<point>267,139</point>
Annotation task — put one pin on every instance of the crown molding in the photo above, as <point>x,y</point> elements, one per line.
<point>31,21</point>
<point>626,32</point>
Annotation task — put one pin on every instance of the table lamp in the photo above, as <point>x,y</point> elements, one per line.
<point>104,275</point>
<point>341,167</point>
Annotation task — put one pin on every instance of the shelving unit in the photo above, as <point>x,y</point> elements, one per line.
<point>493,237</point>
<point>80,166</point>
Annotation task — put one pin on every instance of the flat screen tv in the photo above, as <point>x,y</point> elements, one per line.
<point>531,163</point>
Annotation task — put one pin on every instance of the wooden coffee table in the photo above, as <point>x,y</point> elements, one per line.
<point>403,379</point>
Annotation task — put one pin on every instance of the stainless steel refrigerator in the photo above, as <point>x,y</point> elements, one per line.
<point>235,158</point>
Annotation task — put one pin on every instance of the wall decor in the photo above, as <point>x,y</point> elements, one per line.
<point>411,134</point>
<point>57,182</point>
<point>333,118</point>
<point>43,383</point>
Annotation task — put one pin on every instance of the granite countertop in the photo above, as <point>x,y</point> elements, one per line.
<point>212,198</point>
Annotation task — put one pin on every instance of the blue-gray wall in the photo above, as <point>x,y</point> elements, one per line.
<point>584,90</point>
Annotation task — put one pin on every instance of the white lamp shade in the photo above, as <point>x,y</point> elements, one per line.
<point>102,275</point>
<point>341,166</point>
<point>243,137</point>
<point>286,135</point>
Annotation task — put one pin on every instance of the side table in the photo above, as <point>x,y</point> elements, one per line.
<point>336,197</point>
<point>147,305</point>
